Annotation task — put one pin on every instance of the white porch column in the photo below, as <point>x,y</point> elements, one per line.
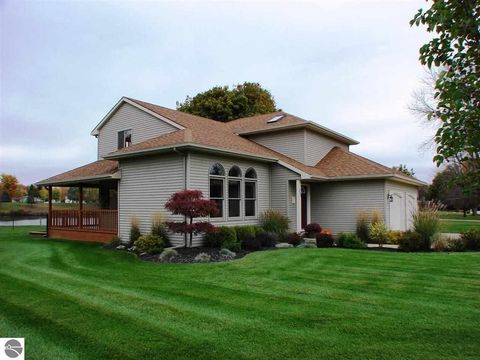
<point>298,196</point>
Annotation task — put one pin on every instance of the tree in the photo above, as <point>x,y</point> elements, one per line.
<point>403,169</point>
<point>224,104</point>
<point>446,188</point>
<point>43,194</point>
<point>32,194</point>
<point>10,184</point>
<point>190,204</point>
<point>455,49</point>
<point>73,193</point>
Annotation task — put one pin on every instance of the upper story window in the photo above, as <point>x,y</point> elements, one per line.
<point>124,138</point>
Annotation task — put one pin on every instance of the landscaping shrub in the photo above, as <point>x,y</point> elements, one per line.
<point>471,239</point>
<point>413,241</point>
<point>258,229</point>
<point>251,243</point>
<point>159,228</point>
<point>324,239</point>
<point>311,230</point>
<point>378,233</point>
<point>394,236</point>
<point>363,220</point>
<point>267,239</point>
<point>149,244</point>
<point>167,255</point>
<point>273,221</point>
<point>350,241</point>
<point>213,238</point>
<point>228,235</point>
<point>245,231</point>
<point>294,239</point>
<point>456,245</point>
<point>134,230</point>
<point>426,223</point>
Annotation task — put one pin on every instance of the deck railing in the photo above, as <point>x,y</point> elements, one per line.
<point>84,220</point>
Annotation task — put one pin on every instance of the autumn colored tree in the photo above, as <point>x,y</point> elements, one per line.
<point>9,183</point>
<point>223,103</point>
<point>190,204</point>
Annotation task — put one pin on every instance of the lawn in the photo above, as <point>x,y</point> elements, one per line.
<point>458,226</point>
<point>75,300</point>
<point>457,215</point>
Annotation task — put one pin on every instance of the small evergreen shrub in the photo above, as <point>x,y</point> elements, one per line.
<point>294,239</point>
<point>324,239</point>
<point>274,221</point>
<point>245,231</point>
<point>413,241</point>
<point>363,220</point>
<point>311,230</point>
<point>258,229</point>
<point>394,236</point>
<point>378,233</point>
<point>160,229</point>
<point>149,244</point>
<point>134,229</point>
<point>251,243</point>
<point>167,255</point>
<point>267,239</point>
<point>349,241</point>
<point>213,238</point>
<point>471,239</point>
<point>228,236</point>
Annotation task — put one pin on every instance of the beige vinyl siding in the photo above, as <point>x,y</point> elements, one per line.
<point>145,186</point>
<point>317,146</point>
<point>290,143</point>
<point>143,125</point>
<point>199,180</point>
<point>408,194</point>
<point>282,190</point>
<point>335,205</point>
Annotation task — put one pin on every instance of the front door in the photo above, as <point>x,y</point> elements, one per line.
<point>304,196</point>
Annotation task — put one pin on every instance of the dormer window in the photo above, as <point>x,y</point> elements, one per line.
<point>275,119</point>
<point>124,138</point>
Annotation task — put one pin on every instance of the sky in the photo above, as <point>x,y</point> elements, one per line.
<point>350,65</point>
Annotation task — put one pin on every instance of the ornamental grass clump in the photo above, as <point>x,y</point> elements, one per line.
<point>274,221</point>
<point>426,222</point>
<point>159,228</point>
<point>363,220</point>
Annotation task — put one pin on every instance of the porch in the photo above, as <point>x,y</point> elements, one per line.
<point>94,214</point>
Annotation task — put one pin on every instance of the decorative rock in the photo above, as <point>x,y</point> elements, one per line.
<point>311,246</point>
<point>310,241</point>
<point>283,245</point>
<point>202,257</point>
<point>167,255</point>
<point>227,254</point>
<point>121,247</point>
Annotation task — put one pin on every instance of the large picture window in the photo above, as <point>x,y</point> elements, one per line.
<point>250,192</point>
<point>217,180</point>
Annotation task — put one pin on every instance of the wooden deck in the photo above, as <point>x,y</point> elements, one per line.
<point>85,225</point>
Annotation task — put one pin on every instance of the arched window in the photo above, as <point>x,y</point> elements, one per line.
<point>250,192</point>
<point>234,192</point>
<point>217,169</point>
<point>217,181</point>
<point>235,171</point>
<point>251,173</point>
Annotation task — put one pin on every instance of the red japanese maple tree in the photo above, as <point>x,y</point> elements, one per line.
<point>191,204</point>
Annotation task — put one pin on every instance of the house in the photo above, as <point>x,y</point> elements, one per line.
<point>279,161</point>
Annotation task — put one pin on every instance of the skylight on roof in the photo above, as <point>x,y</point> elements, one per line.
<point>275,119</point>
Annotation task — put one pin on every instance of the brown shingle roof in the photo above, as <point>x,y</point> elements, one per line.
<point>96,169</point>
<point>260,122</point>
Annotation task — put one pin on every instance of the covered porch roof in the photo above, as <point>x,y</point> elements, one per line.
<point>91,174</point>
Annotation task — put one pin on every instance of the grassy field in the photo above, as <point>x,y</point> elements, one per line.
<point>457,216</point>
<point>458,226</point>
<point>72,300</point>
